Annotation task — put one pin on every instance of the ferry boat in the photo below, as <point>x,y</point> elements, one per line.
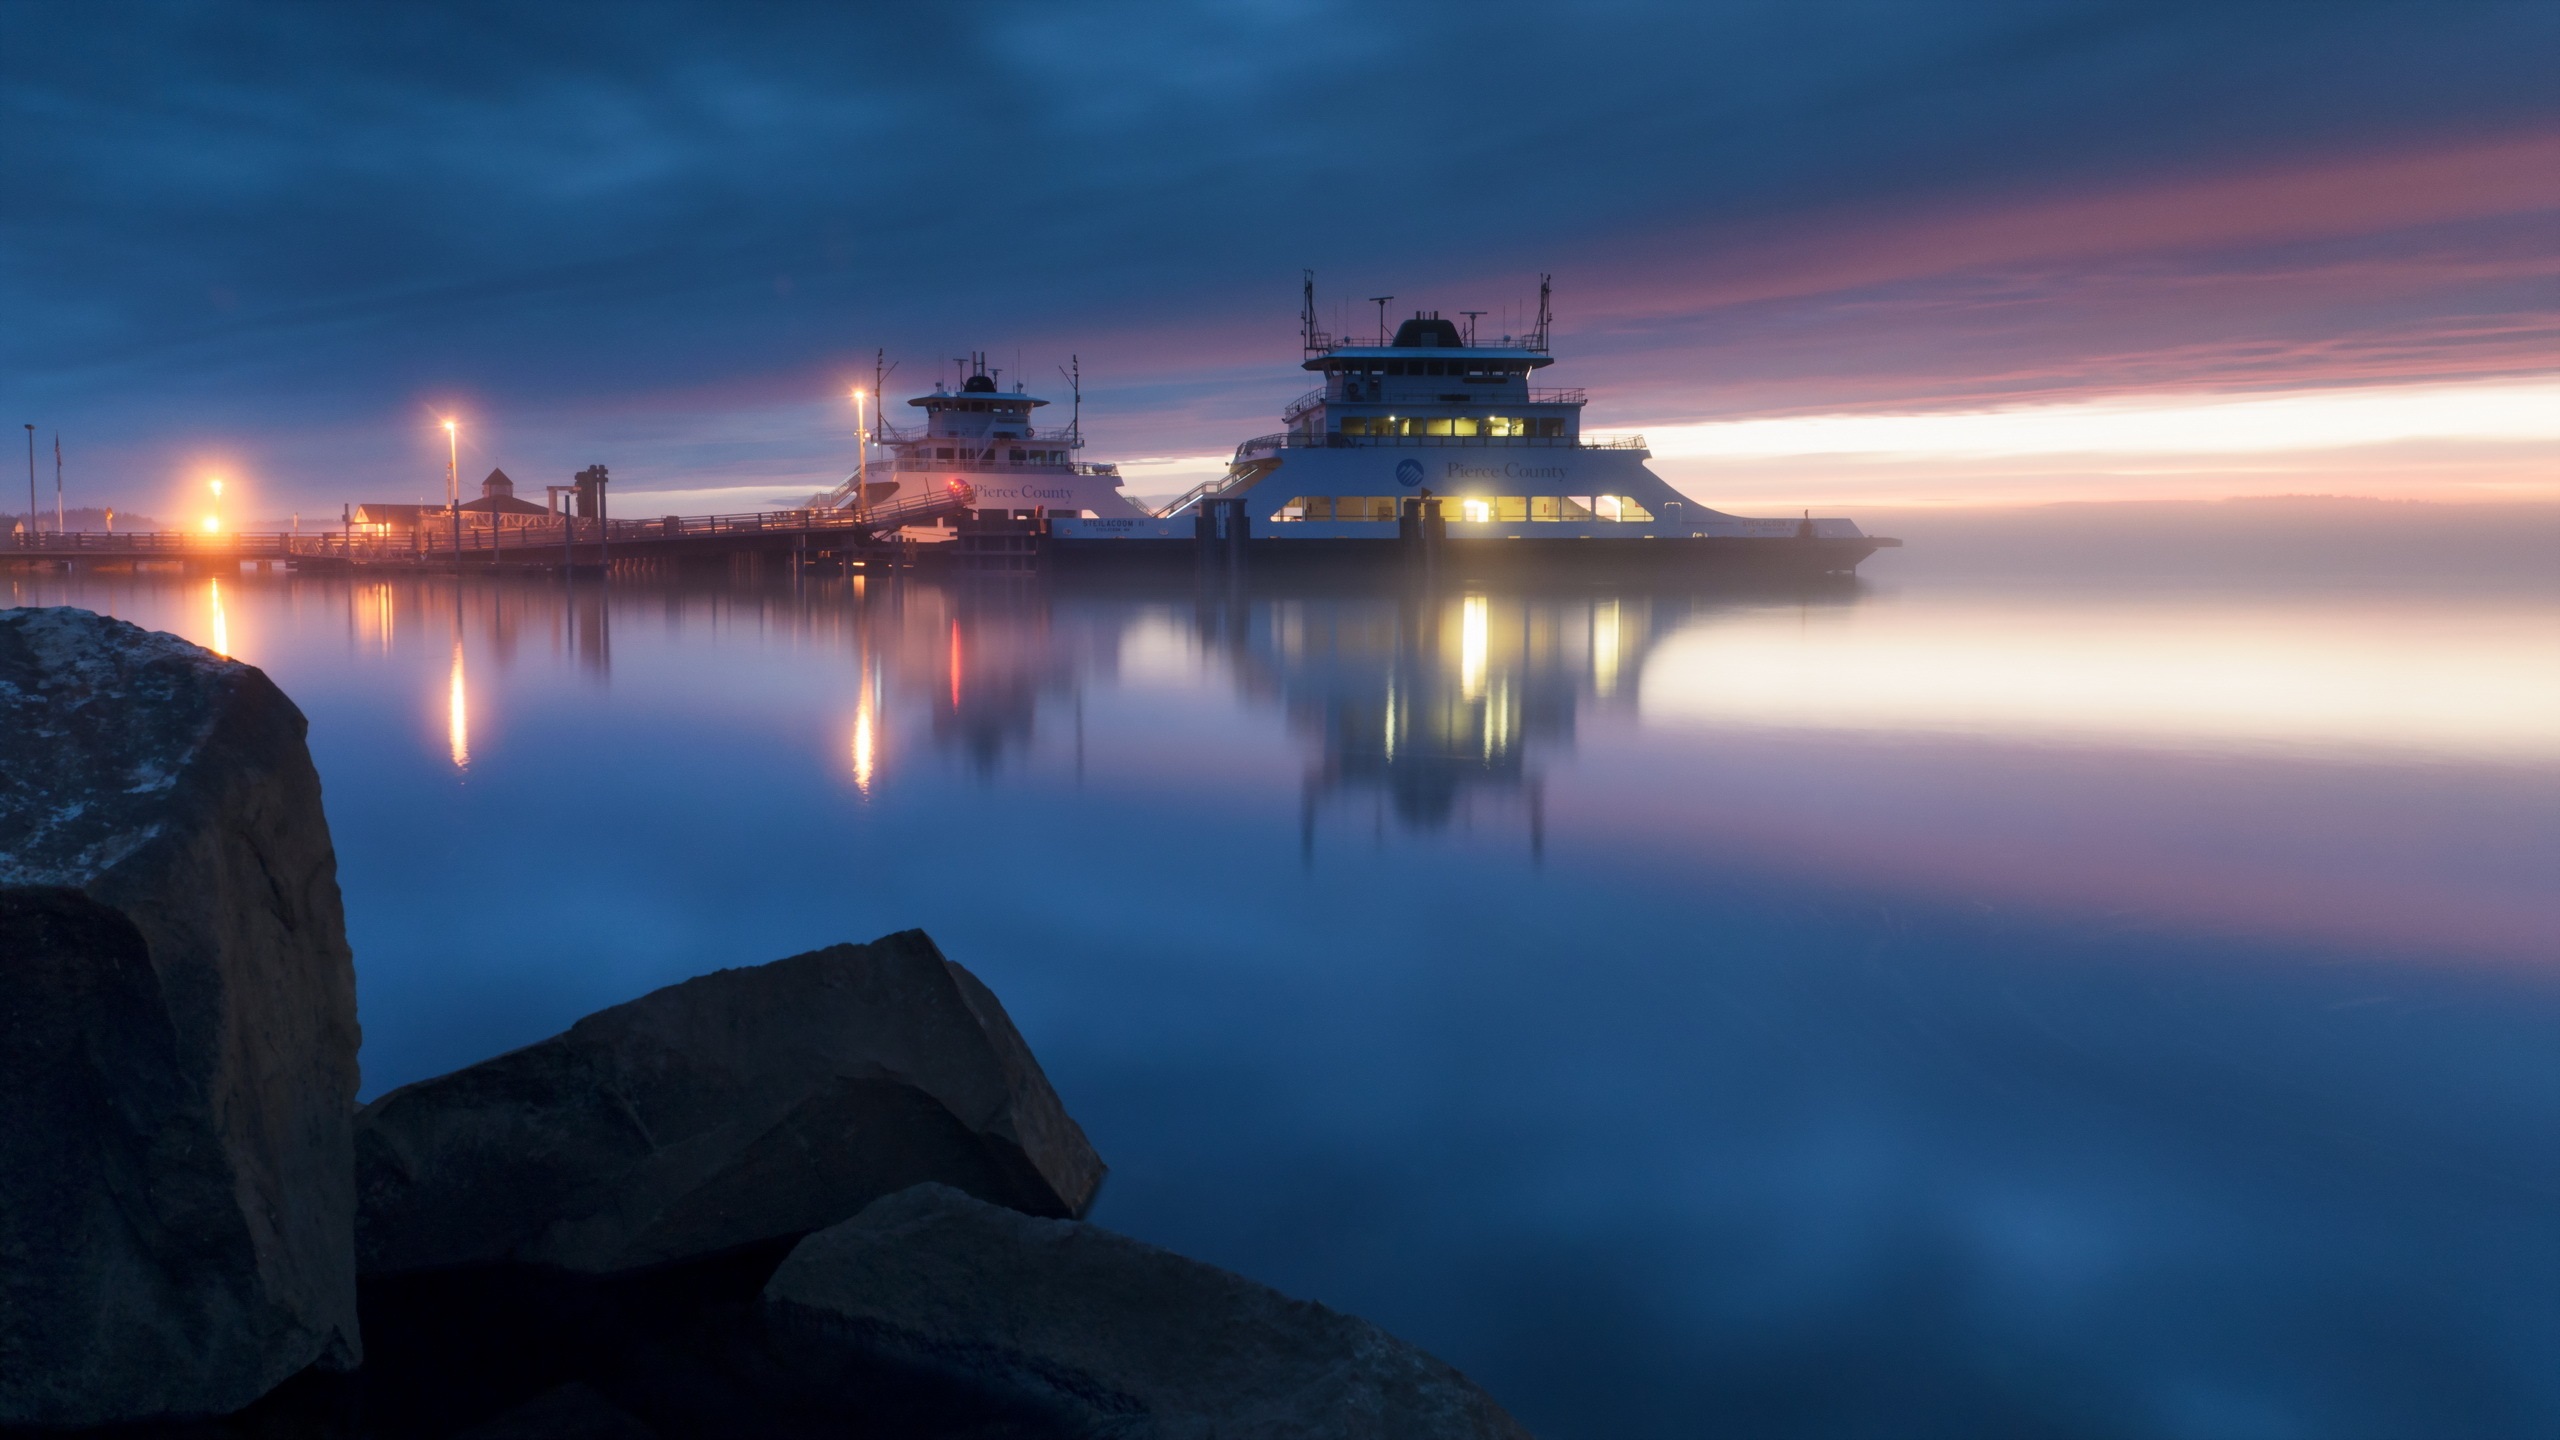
<point>984,437</point>
<point>1430,445</point>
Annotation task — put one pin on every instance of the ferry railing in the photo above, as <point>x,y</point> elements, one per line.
<point>1301,440</point>
<point>1534,396</point>
<point>884,432</point>
<point>1325,342</point>
<point>1193,496</point>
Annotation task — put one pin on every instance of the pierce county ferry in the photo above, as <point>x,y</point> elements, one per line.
<point>1430,444</point>
<point>983,436</point>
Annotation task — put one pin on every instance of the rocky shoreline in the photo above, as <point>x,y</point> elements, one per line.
<point>830,1195</point>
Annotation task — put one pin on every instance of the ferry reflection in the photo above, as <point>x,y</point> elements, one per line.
<point>1439,706</point>
<point>984,661</point>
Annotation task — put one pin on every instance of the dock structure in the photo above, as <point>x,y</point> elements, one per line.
<point>557,543</point>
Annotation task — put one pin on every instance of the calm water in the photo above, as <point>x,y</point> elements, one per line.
<point>2061,1005</point>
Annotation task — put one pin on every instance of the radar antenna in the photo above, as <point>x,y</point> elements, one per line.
<point>1471,323</point>
<point>1075,412</point>
<point>1309,336</point>
<point>1546,313</point>
<point>1381,302</point>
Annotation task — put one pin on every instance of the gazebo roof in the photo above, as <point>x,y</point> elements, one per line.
<point>503,504</point>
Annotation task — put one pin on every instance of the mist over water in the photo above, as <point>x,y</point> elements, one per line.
<point>2093,976</point>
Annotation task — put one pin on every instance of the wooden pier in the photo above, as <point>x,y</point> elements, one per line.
<point>562,543</point>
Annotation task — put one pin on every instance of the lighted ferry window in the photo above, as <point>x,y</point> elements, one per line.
<point>1476,511</point>
<point>1628,509</point>
<point>1503,425</point>
<point>1605,506</point>
<point>1577,507</point>
<point>1512,508</point>
<point>1463,425</point>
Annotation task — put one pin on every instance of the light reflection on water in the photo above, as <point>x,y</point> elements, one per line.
<point>1894,1010</point>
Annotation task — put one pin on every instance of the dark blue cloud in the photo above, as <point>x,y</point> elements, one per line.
<point>294,220</point>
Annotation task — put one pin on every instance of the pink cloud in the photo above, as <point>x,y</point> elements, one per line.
<point>1843,249</point>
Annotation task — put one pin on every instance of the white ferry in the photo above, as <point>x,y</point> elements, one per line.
<point>984,437</point>
<point>1429,444</point>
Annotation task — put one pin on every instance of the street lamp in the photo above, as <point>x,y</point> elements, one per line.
<point>213,522</point>
<point>862,457</point>
<point>453,484</point>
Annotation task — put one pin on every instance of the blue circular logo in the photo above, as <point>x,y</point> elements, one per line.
<point>1408,473</point>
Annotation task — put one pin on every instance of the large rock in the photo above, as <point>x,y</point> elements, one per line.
<point>740,1107</point>
<point>177,1033</point>
<point>1106,1334</point>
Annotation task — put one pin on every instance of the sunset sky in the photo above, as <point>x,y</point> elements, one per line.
<point>1821,255</point>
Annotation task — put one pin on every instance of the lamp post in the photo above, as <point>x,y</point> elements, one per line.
<point>453,487</point>
<point>862,457</point>
<point>31,482</point>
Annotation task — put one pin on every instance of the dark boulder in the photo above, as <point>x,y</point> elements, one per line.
<point>1108,1335</point>
<point>177,1033</point>
<point>569,1412</point>
<point>731,1110</point>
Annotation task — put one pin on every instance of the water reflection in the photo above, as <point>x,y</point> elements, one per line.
<point>1856,1012</point>
<point>1433,702</point>
<point>2480,678</point>
<point>457,713</point>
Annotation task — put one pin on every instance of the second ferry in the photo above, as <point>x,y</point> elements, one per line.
<point>983,437</point>
<point>1430,445</point>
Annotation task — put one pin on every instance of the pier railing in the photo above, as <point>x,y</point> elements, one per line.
<point>177,544</point>
<point>586,540</point>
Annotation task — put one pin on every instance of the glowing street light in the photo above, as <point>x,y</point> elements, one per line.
<point>453,482</point>
<point>213,522</point>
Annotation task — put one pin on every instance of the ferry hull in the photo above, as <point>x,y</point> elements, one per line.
<point>1595,556</point>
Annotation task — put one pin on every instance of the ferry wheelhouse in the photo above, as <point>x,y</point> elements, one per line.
<point>985,436</point>
<point>1431,440</point>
